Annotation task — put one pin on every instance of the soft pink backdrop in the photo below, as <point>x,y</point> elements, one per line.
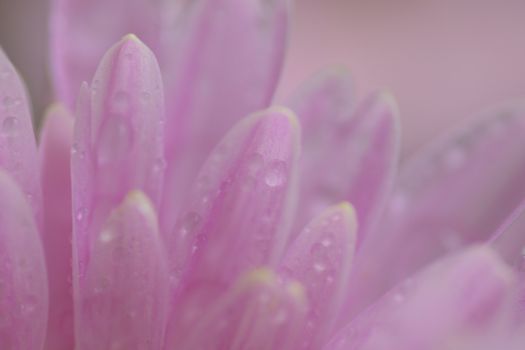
<point>443,59</point>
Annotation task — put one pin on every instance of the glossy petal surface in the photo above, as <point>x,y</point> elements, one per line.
<point>456,192</point>
<point>320,259</point>
<point>18,153</point>
<point>123,301</point>
<point>462,295</point>
<point>240,210</point>
<point>118,144</point>
<point>259,312</point>
<point>356,147</point>
<point>55,155</point>
<point>226,67</point>
<point>23,280</point>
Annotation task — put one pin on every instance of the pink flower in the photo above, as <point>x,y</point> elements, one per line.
<point>112,238</point>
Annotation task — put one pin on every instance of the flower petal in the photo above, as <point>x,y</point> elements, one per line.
<point>358,149</point>
<point>456,192</point>
<point>118,144</point>
<point>55,150</point>
<point>510,241</point>
<point>123,299</point>
<point>81,31</point>
<point>18,153</point>
<point>240,209</point>
<point>320,259</point>
<point>226,67</point>
<point>462,295</point>
<point>23,280</point>
<point>259,312</point>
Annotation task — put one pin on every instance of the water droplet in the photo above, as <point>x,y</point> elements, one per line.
<point>398,298</point>
<point>159,165</point>
<point>10,126</point>
<point>319,267</point>
<point>330,279</point>
<point>29,304</point>
<point>74,149</point>
<point>106,236</point>
<point>189,222</point>
<point>81,214</point>
<point>121,102</point>
<point>115,141</point>
<point>276,174</point>
<point>326,242</point>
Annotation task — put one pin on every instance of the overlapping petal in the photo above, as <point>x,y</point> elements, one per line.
<point>123,301</point>
<point>118,142</point>
<point>23,280</point>
<point>455,193</point>
<point>258,312</point>
<point>18,153</point>
<point>463,295</point>
<point>228,66</point>
<point>239,213</point>
<point>357,147</point>
<point>55,147</point>
<point>82,31</point>
<point>320,259</point>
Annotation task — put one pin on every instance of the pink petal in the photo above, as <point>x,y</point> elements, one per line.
<point>18,153</point>
<point>55,147</point>
<point>123,299</point>
<point>240,210</point>
<point>118,145</point>
<point>510,241</point>
<point>81,31</point>
<point>358,149</point>
<point>456,192</point>
<point>462,295</point>
<point>320,259</point>
<point>23,280</point>
<point>259,312</point>
<point>227,66</point>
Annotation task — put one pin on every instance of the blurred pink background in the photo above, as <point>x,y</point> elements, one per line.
<point>444,60</point>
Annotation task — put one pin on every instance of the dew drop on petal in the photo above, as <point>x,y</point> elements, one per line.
<point>81,214</point>
<point>9,126</point>
<point>275,175</point>
<point>319,267</point>
<point>115,141</point>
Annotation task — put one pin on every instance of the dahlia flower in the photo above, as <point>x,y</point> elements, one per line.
<point>172,204</point>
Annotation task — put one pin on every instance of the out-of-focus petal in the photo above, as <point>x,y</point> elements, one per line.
<point>240,210</point>
<point>18,153</point>
<point>510,240</point>
<point>320,259</point>
<point>259,312</point>
<point>227,66</point>
<point>82,31</point>
<point>123,301</point>
<point>357,148</point>
<point>118,144</point>
<point>55,150</point>
<point>456,192</point>
<point>465,294</point>
<point>23,280</point>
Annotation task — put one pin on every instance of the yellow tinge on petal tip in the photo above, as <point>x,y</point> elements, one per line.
<point>141,201</point>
